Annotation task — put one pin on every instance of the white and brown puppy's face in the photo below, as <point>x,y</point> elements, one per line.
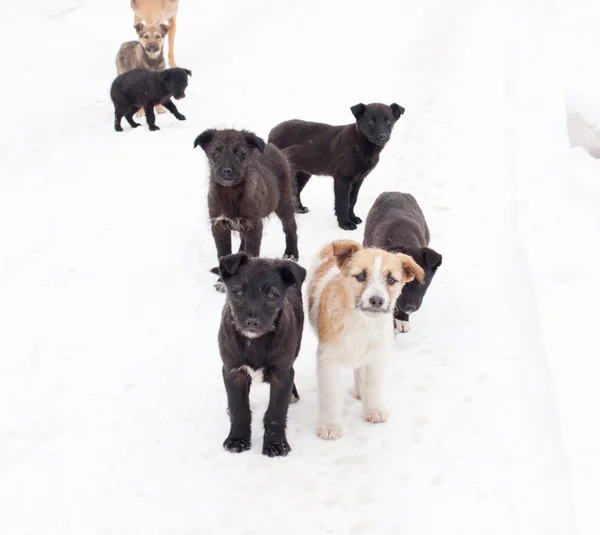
<point>152,37</point>
<point>374,277</point>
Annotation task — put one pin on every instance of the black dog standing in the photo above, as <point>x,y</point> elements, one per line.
<point>259,339</point>
<point>249,180</point>
<point>347,153</point>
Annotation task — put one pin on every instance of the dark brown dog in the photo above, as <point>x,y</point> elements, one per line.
<point>249,180</point>
<point>347,153</point>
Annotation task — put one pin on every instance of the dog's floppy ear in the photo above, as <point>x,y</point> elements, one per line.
<point>204,138</point>
<point>164,28</point>
<point>139,27</point>
<point>188,72</point>
<point>432,258</point>
<point>254,141</point>
<point>292,273</point>
<point>397,110</point>
<point>343,250</point>
<point>358,110</point>
<point>230,264</point>
<point>410,269</point>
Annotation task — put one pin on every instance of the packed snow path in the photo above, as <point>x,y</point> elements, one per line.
<point>113,408</point>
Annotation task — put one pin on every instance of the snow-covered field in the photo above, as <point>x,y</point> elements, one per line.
<point>112,408</point>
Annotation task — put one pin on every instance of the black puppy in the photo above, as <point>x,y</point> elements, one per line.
<point>249,180</point>
<point>141,88</point>
<point>259,339</point>
<point>348,153</point>
<point>396,223</point>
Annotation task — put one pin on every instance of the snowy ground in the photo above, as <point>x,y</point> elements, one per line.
<point>112,409</point>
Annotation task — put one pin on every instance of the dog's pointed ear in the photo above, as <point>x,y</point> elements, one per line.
<point>397,110</point>
<point>358,110</point>
<point>164,28</point>
<point>139,27</point>
<point>343,250</point>
<point>230,264</point>
<point>292,273</point>
<point>254,141</point>
<point>188,72</point>
<point>432,258</point>
<point>204,138</point>
<point>410,269</point>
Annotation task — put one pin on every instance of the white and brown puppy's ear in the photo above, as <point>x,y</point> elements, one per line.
<point>230,264</point>
<point>343,250</point>
<point>410,269</point>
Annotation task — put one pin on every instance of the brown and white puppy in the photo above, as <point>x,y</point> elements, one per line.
<point>351,296</point>
<point>155,12</point>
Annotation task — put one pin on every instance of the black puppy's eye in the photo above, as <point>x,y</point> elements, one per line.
<point>239,153</point>
<point>270,295</point>
<point>388,120</point>
<point>371,121</point>
<point>239,293</point>
<point>361,277</point>
<point>391,280</point>
<point>217,152</point>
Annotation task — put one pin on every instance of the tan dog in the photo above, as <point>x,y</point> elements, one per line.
<point>351,296</point>
<point>154,12</point>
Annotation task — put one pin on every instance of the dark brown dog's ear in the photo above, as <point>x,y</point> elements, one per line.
<point>188,72</point>
<point>164,28</point>
<point>230,264</point>
<point>139,27</point>
<point>254,141</point>
<point>432,258</point>
<point>292,273</point>
<point>204,138</point>
<point>343,250</point>
<point>397,110</point>
<point>358,110</point>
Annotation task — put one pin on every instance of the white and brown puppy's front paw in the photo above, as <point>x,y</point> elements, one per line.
<point>375,416</point>
<point>401,326</point>
<point>329,432</point>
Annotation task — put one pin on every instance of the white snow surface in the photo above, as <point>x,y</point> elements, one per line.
<point>112,408</point>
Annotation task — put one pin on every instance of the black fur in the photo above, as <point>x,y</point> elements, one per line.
<point>396,223</point>
<point>347,153</point>
<point>261,327</point>
<point>141,88</point>
<point>249,180</point>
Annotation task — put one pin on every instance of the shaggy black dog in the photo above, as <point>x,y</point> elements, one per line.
<point>249,180</point>
<point>347,153</point>
<point>141,88</point>
<point>396,223</point>
<point>259,340</point>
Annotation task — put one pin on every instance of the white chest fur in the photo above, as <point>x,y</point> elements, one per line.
<point>257,375</point>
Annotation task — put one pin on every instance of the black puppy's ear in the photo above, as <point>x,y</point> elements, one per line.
<point>230,264</point>
<point>432,258</point>
<point>139,27</point>
<point>204,138</point>
<point>358,110</point>
<point>254,141</point>
<point>188,72</point>
<point>397,110</point>
<point>292,273</point>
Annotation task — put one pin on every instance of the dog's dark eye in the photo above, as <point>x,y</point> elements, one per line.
<point>270,295</point>
<point>371,121</point>
<point>240,153</point>
<point>391,280</point>
<point>146,36</point>
<point>217,152</point>
<point>361,277</point>
<point>239,293</point>
<point>158,36</point>
<point>388,120</point>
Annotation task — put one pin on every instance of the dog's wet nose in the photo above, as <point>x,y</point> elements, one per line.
<point>383,137</point>
<point>376,301</point>
<point>152,48</point>
<point>252,323</point>
<point>410,307</point>
<point>226,171</point>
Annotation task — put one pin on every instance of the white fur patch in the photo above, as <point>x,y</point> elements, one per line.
<point>238,223</point>
<point>376,287</point>
<point>257,376</point>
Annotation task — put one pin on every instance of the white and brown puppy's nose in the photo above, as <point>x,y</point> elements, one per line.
<point>376,301</point>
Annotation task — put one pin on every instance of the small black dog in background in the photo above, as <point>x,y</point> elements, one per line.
<point>259,340</point>
<point>348,153</point>
<point>396,223</point>
<point>142,88</point>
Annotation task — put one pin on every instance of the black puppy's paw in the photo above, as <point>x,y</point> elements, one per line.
<point>180,117</point>
<point>347,225</point>
<point>291,256</point>
<point>294,398</point>
<point>153,128</point>
<point>236,445</point>
<point>276,448</point>
<point>355,219</point>
<point>135,125</point>
<point>302,210</point>
<point>118,128</point>
<point>220,286</point>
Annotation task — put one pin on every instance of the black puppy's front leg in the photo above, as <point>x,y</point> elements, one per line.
<point>222,236</point>
<point>354,189</point>
<point>237,386</point>
<point>170,105</point>
<point>401,321</point>
<point>150,117</point>
<point>275,443</point>
<point>252,239</point>
<point>341,190</point>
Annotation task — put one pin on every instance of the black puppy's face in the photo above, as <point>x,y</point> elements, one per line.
<point>229,153</point>
<point>176,80</point>
<point>256,290</point>
<point>376,121</point>
<point>413,293</point>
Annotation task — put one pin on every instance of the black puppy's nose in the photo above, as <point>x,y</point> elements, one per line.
<point>226,171</point>
<point>383,137</point>
<point>252,322</point>
<point>376,301</point>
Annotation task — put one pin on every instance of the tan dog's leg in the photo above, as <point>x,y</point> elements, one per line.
<point>136,19</point>
<point>160,109</point>
<point>140,113</point>
<point>172,28</point>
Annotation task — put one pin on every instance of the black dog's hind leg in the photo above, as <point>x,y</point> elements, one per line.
<point>222,236</point>
<point>295,397</point>
<point>240,416</point>
<point>275,443</point>
<point>150,117</point>
<point>252,238</point>
<point>118,117</point>
<point>300,181</point>
<point>285,212</point>
<point>341,190</point>
<point>173,109</point>
<point>354,189</point>
<point>129,117</point>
